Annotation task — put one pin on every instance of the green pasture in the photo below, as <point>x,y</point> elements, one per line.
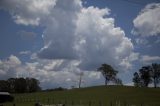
<point>93,96</point>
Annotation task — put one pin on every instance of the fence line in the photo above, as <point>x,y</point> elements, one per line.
<point>53,101</point>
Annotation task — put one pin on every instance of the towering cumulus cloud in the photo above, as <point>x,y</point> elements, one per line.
<point>99,41</point>
<point>59,35</point>
<point>74,32</point>
<point>75,37</point>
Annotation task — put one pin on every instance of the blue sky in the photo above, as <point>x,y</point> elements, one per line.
<point>55,40</point>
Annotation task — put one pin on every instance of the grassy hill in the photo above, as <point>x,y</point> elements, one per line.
<point>94,96</point>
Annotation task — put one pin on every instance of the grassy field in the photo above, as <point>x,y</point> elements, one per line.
<point>93,96</point>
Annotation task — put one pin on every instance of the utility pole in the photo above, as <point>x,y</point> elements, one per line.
<point>80,78</point>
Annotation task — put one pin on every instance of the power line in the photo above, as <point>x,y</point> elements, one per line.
<point>139,3</point>
<point>134,2</point>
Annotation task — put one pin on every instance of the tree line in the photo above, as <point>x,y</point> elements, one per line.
<point>146,75</point>
<point>19,85</point>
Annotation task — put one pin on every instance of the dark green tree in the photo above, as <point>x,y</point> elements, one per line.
<point>4,86</point>
<point>136,79</point>
<point>155,73</point>
<point>11,82</point>
<point>108,72</point>
<point>145,75</point>
<point>32,85</point>
<point>20,85</point>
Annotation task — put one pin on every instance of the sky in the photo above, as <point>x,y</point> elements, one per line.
<point>55,41</point>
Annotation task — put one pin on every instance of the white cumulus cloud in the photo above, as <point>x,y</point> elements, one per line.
<point>8,66</point>
<point>28,12</point>
<point>147,22</point>
<point>146,59</point>
<point>99,41</point>
<point>48,73</point>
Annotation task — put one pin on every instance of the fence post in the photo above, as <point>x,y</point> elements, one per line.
<point>111,103</point>
<point>79,102</point>
<point>125,103</point>
<point>100,103</point>
<point>90,103</point>
<point>48,100</point>
<point>53,100</point>
<point>65,101</point>
<point>72,103</point>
